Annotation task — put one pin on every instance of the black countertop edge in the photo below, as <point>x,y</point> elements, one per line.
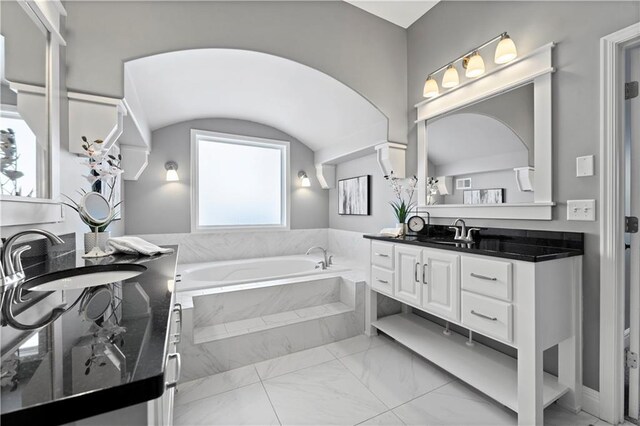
<point>513,253</point>
<point>89,404</point>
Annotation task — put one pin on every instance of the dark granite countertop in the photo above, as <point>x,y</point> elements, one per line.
<point>76,368</point>
<point>517,244</point>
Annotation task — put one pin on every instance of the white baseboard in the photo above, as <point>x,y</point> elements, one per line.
<point>591,401</point>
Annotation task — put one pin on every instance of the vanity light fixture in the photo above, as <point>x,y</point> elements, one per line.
<point>473,63</point>
<point>305,182</point>
<point>430,88</point>
<point>505,50</point>
<point>450,78</point>
<point>172,171</point>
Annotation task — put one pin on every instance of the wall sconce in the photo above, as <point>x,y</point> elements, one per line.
<point>305,182</point>
<point>473,63</point>
<point>172,171</point>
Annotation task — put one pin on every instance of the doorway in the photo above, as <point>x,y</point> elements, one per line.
<point>632,237</point>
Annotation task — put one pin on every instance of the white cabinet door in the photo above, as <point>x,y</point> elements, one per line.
<point>407,277</point>
<point>440,277</point>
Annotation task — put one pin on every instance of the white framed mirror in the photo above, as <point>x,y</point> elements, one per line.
<point>29,112</point>
<point>485,148</point>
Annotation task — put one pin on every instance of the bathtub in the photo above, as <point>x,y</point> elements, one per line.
<point>226,273</point>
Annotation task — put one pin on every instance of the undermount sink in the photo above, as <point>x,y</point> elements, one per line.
<point>83,277</point>
<point>440,240</point>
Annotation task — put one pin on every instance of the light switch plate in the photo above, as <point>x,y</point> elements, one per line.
<point>585,166</point>
<point>581,210</point>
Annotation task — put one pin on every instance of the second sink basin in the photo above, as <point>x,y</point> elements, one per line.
<point>83,277</point>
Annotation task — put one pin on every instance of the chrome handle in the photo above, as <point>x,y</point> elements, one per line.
<point>483,277</point>
<point>174,382</point>
<point>484,316</point>
<point>424,273</point>
<point>382,281</point>
<point>415,271</point>
<point>381,254</point>
<point>178,308</point>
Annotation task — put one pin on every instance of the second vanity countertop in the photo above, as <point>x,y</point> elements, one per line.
<point>76,368</point>
<point>516,244</point>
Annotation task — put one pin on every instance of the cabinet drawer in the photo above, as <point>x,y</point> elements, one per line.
<point>382,280</point>
<point>489,277</point>
<point>488,316</point>
<point>382,254</point>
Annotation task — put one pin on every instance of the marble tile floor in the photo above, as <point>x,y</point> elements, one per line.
<point>357,381</point>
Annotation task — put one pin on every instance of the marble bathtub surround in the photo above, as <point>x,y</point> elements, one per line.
<point>215,246</point>
<point>332,385</point>
<point>267,322</point>
<point>207,247</point>
<point>263,301</point>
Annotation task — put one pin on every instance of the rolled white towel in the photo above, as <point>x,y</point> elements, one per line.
<point>134,245</point>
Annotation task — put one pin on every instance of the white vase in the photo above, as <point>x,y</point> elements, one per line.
<point>402,227</point>
<point>90,240</point>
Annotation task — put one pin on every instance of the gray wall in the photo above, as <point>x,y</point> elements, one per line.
<point>156,206</point>
<point>577,28</point>
<point>364,52</point>
<point>380,194</point>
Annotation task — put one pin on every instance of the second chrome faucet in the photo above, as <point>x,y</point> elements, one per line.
<point>462,233</point>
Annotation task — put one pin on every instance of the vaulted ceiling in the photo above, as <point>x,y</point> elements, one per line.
<point>309,105</point>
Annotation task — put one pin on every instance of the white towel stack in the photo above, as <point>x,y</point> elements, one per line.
<point>134,245</point>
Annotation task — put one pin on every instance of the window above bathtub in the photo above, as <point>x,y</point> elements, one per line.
<point>238,182</point>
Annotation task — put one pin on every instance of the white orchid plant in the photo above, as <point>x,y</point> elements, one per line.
<point>104,169</point>
<point>402,187</point>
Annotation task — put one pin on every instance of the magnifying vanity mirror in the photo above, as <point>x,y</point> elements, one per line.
<point>475,154</point>
<point>24,138</point>
<point>96,208</point>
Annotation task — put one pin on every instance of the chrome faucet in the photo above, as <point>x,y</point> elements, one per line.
<point>11,270</point>
<point>327,260</point>
<point>462,234</point>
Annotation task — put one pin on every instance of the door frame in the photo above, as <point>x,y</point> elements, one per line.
<point>612,257</point>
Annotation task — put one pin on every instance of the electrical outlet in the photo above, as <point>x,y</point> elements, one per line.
<point>581,210</point>
<point>585,166</point>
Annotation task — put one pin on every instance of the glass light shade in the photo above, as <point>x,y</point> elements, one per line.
<point>430,88</point>
<point>172,176</point>
<point>505,50</point>
<point>475,66</point>
<point>450,78</point>
<point>305,182</point>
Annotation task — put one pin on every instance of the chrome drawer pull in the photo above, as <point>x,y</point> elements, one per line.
<point>483,277</point>
<point>174,382</point>
<point>382,281</point>
<point>424,273</point>
<point>178,308</point>
<point>381,254</point>
<point>415,271</point>
<point>483,316</point>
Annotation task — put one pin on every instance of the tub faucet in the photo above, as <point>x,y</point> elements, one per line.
<point>327,260</point>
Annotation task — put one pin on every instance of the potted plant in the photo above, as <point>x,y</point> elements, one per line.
<point>402,206</point>
<point>104,170</point>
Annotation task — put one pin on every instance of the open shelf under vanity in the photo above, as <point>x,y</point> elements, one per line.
<point>492,372</point>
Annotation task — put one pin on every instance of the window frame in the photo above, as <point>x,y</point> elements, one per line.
<point>284,146</point>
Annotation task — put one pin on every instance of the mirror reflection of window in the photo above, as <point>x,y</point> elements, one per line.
<point>24,140</point>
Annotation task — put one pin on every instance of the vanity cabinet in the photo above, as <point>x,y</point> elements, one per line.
<point>530,305</point>
<point>407,286</point>
<point>441,283</point>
